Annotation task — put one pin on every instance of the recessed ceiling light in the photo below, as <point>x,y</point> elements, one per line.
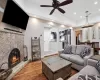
<point>52,20</point>
<point>51,23</point>
<point>81,16</point>
<point>34,16</point>
<point>63,26</point>
<point>74,13</point>
<point>35,20</point>
<point>95,2</point>
<point>99,10</point>
<point>70,28</point>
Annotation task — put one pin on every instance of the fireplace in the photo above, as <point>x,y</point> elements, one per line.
<point>14,58</point>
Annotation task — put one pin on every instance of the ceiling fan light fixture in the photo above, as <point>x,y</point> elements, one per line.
<point>96,2</point>
<point>81,16</point>
<point>71,28</point>
<point>63,26</point>
<point>51,23</point>
<point>35,16</point>
<point>74,13</point>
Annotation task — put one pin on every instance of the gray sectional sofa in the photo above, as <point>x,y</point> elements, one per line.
<point>77,62</point>
<point>90,69</point>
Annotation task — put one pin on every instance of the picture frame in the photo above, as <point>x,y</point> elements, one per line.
<point>53,36</point>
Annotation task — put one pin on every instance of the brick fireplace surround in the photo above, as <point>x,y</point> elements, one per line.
<point>9,41</point>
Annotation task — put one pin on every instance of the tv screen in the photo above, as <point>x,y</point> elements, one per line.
<point>14,15</point>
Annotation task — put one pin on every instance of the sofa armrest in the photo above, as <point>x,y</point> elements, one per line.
<point>92,62</point>
<point>60,52</point>
<point>87,57</point>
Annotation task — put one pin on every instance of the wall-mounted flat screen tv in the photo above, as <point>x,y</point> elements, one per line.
<point>14,15</point>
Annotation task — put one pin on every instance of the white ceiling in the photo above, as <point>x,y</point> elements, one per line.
<point>32,7</point>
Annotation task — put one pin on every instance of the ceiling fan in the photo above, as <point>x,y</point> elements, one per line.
<point>56,5</point>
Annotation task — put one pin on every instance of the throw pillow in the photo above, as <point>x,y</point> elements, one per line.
<point>68,49</point>
<point>74,49</point>
<point>85,52</point>
<point>82,77</point>
<point>88,77</point>
<point>98,66</point>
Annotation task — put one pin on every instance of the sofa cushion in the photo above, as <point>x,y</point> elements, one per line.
<point>85,52</point>
<point>87,77</point>
<point>66,56</point>
<point>77,59</point>
<point>74,49</point>
<point>81,77</point>
<point>79,49</point>
<point>67,49</point>
<point>89,70</point>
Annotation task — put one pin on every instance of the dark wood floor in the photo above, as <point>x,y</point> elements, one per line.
<point>33,71</point>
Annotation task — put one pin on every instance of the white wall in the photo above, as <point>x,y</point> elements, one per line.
<point>35,28</point>
<point>73,37</point>
<point>53,46</point>
<point>46,39</point>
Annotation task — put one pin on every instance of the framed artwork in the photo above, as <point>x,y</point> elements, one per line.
<point>65,36</point>
<point>53,36</point>
<point>61,35</point>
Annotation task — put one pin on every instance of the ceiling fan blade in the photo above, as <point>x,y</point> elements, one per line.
<point>46,6</point>
<point>66,2</point>
<point>61,10</point>
<point>54,1</point>
<point>52,11</point>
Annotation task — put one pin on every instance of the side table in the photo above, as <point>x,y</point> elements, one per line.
<point>95,57</point>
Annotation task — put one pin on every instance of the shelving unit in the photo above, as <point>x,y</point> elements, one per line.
<point>35,47</point>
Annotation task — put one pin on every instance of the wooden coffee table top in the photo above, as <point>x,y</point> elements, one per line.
<point>55,63</point>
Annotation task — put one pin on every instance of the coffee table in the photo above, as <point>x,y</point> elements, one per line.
<point>55,67</point>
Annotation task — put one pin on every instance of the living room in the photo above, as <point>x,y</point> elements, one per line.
<point>49,40</point>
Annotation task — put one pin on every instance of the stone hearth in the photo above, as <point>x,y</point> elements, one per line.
<point>9,41</point>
